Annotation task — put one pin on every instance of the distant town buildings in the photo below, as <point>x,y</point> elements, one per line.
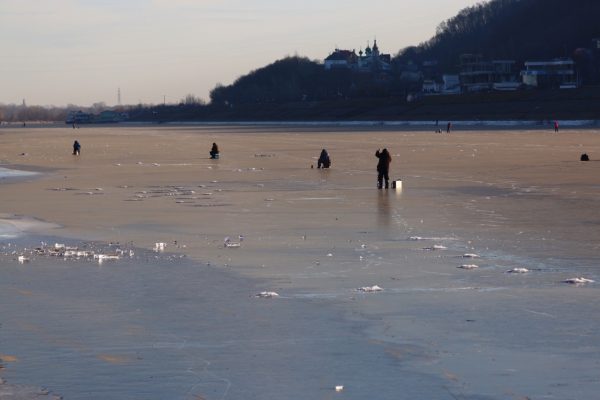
<point>368,61</point>
<point>451,84</point>
<point>545,74</point>
<point>478,74</point>
<point>474,72</point>
<point>105,117</point>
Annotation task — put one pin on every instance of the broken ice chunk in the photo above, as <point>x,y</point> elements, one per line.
<point>470,255</point>
<point>518,271</point>
<point>370,289</point>
<point>229,244</point>
<point>578,281</point>
<point>436,247</point>
<point>267,295</point>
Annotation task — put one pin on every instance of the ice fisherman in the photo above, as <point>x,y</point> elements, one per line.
<point>76,148</point>
<point>214,152</point>
<point>324,160</point>
<point>383,167</point>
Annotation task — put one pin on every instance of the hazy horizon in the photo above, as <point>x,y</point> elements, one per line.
<point>82,51</point>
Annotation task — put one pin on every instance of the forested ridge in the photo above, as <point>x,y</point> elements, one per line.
<point>518,30</point>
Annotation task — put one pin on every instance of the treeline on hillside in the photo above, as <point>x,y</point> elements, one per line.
<point>300,79</point>
<point>521,30</point>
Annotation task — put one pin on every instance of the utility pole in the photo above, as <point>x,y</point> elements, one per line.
<point>119,96</point>
<point>164,99</point>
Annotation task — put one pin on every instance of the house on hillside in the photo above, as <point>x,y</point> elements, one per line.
<point>436,82</point>
<point>451,84</point>
<point>341,59</point>
<point>430,70</point>
<point>431,86</point>
<point>475,73</point>
<point>478,74</point>
<point>79,117</point>
<point>550,74</point>
<point>505,76</point>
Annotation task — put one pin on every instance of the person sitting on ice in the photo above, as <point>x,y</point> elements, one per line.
<point>214,151</point>
<point>76,148</point>
<point>324,160</point>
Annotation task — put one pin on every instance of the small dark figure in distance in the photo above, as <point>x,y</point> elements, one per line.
<point>556,126</point>
<point>449,127</point>
<point>584,157</point>
<point>324,160</point>
<point>383,167</point>
<point>214,152</point>
<point>76,148</point>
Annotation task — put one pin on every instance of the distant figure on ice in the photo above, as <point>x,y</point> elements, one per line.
<point>76,148</point>
<point>324,160</point>
<point>383,167</point>
<point>214,152</point>
<point>449,127</point>
<point>556,126</point>
<point>584,157</point>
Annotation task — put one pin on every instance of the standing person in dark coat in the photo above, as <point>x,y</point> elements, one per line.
<point>383,167</point>
<point>214,151</point>
<point>324,160</point>
<point>76,148</point>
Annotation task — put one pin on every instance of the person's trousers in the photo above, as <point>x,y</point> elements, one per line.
<point>380,177</point>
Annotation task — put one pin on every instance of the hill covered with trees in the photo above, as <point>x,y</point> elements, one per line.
<point>512,29</point>
<point>517,30</point>
<point>300,79</point>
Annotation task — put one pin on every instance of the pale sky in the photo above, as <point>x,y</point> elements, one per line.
<point>56,52</point>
